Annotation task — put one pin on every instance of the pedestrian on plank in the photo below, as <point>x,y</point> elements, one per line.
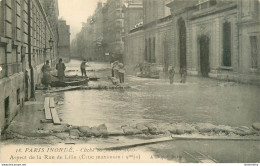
<point>171,74</point>
<point>121,72</point>
<point>83,68</point>
<point>60,67</point>
<point>46,70</point>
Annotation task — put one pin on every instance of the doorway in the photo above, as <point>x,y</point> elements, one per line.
<point>204,56</point>
<point>7,111</point>
<point>166,58</point>
<point>182,43</point>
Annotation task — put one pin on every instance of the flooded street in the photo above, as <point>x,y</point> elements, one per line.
<point>149,100</point>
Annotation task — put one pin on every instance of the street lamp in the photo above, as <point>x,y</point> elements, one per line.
<point>51,43</point>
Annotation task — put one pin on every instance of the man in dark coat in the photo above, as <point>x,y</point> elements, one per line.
<point>61,70</point>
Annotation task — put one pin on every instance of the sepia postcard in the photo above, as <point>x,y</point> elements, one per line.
<point>130,81</point>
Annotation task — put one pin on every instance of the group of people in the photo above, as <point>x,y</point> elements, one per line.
<point>46,70</point>
<point>118,71</point>
<point>183,73</point>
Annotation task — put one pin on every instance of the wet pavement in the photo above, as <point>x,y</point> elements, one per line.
<point>149,100</point>
<point>199,100</point>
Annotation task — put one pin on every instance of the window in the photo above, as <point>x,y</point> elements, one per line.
<point>226,44</point>
<point>254,51</point>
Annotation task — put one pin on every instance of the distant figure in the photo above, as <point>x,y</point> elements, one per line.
<point>121,72</point>
<point>171,74</point>
<point>183,75</point>
<point>83,68</point>
<point>46,70</point>
<point>61,69</point>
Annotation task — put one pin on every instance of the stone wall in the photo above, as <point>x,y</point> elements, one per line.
<point>19,53</point>
<point>134,49</point>
<point>8,88</point>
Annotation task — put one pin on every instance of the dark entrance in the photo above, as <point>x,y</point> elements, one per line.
<point>166,59</point>
<point>204,55</point>
<point>7,108</point>
<point>182,43</point>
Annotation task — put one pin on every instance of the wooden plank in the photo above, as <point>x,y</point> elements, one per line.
<point>138,143</point>
<point>199,157</point>
<point>52,104</point>
<point>47,109</point>
<point>231,138</point>
<point>65,89</point>
<point>46,102</point>
<point>55,117</point>
<point>47,114</point>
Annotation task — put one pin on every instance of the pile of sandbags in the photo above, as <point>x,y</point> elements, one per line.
<point>184,128</point>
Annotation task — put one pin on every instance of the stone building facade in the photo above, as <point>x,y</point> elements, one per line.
<point>153,37</point>
<point>25,42</point>
<point>212,38</point>
<point>51,9</point>
<point>64,41</point>
<point>113,25</point>
<point>249,41</point>
<point>133,14</point>
<point>97,23</point>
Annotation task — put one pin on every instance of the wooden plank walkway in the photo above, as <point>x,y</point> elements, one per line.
<point>55,117</point>
<point>137,143</point>
<point>50,111</point>
<point>47,109</point>
<point>52,104</point>
<point>65,89</point>
<point>228,138</point>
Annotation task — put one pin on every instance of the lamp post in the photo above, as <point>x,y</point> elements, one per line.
<point>50,43</point>
<point>50,48</point>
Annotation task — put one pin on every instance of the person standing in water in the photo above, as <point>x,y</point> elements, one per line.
<point>61,70</point>
<point>121,72</point>
<point>46,70</point>
<point>83,68</point>
<point>171,75</point>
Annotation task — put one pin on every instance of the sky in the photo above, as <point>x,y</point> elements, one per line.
<point>75,12</point>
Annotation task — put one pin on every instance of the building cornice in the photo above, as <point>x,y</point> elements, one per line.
<point>214,10</point>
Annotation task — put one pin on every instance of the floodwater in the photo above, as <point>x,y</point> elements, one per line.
<point>150,100</point>
<point>198,100</point>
